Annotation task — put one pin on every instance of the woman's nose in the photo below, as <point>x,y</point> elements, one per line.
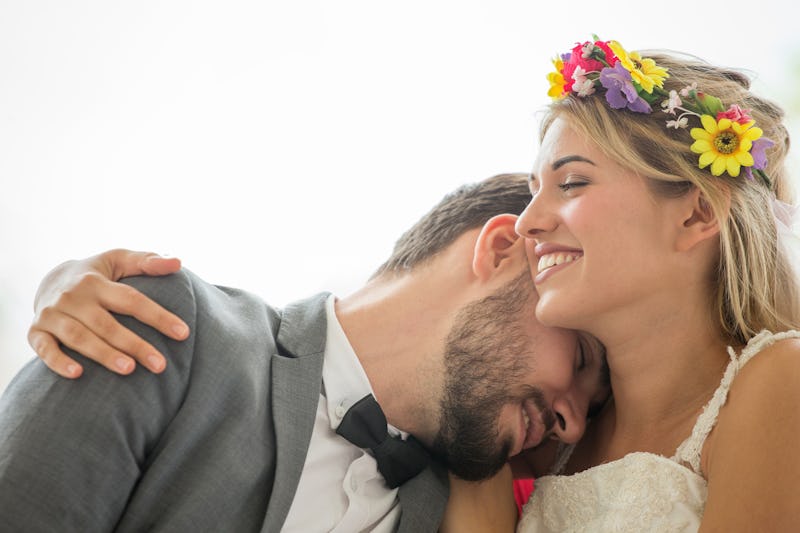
<point>536,218</point>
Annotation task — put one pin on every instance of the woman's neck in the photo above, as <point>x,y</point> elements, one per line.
<point>664,368</point>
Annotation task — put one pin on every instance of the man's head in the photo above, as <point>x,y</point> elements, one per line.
<point>466,208</point>
<point>507,382</point>
<point>510,382</point>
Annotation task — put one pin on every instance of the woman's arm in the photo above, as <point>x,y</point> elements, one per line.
<point>477,507</point>
<point>74,304</point>
<point>751,459</point>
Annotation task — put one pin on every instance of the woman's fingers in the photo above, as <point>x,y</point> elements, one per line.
<point>76,335</point>
<point>115,340</point>
<point>47,348</point>
<point>74,306</point>
<point>125,300</point>
<point>120,263</point>
<point>85,325</point>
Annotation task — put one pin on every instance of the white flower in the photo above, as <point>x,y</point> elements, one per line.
<point>581,84</point>
<point>585,88</point>
<point>673,102</point>
<point>677,124</point>
<point>586,51</point>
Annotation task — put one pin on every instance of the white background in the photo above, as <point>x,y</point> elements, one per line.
<point>282,146</point>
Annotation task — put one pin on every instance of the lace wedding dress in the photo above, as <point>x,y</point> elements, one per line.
<point>642,491</point>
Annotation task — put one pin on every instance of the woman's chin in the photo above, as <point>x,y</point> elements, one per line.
<point>554,311</point>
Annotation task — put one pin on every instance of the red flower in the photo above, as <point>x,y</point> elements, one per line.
<point>736,114</point>
<point>590,64</point>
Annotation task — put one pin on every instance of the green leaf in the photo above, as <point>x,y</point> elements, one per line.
<point>763,177</point>
<point>650,98</point>
<point>710,105</point>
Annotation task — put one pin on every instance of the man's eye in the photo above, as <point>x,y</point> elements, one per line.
<point>581,356</point>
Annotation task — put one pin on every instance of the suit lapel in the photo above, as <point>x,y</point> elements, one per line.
<point>296,382</point>
<point>296,385</point>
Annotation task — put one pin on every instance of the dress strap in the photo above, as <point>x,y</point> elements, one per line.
<point>562,456</point>
<point>690,450</point>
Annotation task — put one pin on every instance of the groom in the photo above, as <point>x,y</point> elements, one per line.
<point>255,423</point>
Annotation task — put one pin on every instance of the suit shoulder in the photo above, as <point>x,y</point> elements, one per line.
<point>187,295</point>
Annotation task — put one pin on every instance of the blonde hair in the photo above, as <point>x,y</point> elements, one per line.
<point>755,287</point>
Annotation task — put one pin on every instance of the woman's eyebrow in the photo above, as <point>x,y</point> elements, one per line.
<point>558,163</point>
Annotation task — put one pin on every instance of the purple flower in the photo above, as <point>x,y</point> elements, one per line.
<point>620,91</point>
<point>758,151</point>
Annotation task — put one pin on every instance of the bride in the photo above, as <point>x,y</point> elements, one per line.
<point>657,226</point>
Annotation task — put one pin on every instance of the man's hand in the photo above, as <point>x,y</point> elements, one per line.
<point>74,304</point>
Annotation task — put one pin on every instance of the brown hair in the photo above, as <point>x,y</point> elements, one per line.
<point>466,208</point>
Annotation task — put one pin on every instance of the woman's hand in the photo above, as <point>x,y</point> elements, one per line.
<point>482,506</point>
<point>74,304</point>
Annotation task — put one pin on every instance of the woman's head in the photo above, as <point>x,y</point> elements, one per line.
<point>754,286</point>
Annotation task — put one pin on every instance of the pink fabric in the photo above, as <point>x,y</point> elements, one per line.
<point>522,491</point>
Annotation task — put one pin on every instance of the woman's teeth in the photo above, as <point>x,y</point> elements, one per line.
<point>554,259</point>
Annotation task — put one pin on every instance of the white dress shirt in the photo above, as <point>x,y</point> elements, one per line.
<point>340,489</point>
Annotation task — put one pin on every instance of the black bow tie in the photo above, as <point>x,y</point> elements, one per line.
<point>364,424</point>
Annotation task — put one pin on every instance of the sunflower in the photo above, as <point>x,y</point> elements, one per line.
<point>557,80</point>
<point>645,72</point>
<point>724,144</point>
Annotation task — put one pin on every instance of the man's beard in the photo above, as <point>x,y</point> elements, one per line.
<point>487,354</point>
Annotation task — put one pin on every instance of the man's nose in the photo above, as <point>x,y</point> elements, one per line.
<point>570,418</point>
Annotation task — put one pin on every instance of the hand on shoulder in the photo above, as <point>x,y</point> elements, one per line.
<point>73,307</point>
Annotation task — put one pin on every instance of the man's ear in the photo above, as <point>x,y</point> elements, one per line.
<point>698,223</point>
<point>498,247</point>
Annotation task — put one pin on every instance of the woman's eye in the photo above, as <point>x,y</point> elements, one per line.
<point>569,185</point>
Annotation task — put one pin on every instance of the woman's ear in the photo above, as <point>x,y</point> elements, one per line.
<point>699,221</point>
<point>498,247</point>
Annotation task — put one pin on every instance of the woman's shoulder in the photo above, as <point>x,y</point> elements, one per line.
<point>750,458</point>
<point>763,399</point>
<point>772,360</point>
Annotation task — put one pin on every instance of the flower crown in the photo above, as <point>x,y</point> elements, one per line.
<point>728,139</point>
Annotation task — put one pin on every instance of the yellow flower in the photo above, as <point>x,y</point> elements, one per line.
<point>724,144</point>
<point>557,80</point>
<point>645,72</point>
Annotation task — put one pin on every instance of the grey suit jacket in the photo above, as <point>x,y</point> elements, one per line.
<point>215,443</point>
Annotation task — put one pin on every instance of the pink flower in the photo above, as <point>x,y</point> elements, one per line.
<point>689,88</point>
<point>587,64</point>
<point>735,114</point>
